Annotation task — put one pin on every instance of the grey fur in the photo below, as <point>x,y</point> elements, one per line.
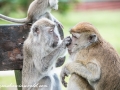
<point>39,57</point>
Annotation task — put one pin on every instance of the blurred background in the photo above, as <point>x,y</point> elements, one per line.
<point>103,14</point>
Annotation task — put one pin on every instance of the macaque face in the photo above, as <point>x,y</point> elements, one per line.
<point>52,36</point>
<point>81,41</point>
<point>53,4</point>
<point>47,33</point>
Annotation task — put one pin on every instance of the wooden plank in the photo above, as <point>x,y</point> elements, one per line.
<point>11,42</point>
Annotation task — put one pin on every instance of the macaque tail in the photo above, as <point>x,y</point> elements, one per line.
<point>24,20</point>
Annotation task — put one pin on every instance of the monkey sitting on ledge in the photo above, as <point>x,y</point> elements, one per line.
<point>41,50</point>
<point>37,9</point>
<point>95,63</point>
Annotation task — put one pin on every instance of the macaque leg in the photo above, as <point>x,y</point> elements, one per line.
<point>91,71</point>
<point>77,82</point>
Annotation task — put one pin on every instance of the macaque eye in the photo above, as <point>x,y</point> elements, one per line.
<point>74,36</point>
<point>51,30</point>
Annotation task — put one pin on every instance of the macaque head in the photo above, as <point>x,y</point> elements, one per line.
<point>83,36</point>
<point>53,4</point>
<point>44,32</point>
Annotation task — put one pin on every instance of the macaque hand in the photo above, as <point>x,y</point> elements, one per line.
<point>64,73</point>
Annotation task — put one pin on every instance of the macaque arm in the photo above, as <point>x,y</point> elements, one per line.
<point>52,57</point>
<point>47,61</point>
<point>90,71</point>
<point>57,22</point>
<point>51,17</point>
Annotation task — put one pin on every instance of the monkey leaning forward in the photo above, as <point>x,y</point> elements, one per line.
<point>95,63</point>
<point>41,50</point>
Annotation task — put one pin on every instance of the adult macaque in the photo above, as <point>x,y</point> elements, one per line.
<point>37,10</point>
<point>95,63</point>
<point>41,51</point>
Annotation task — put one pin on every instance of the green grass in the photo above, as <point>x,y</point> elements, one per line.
<point>7,80</point>
<point>107,22</point>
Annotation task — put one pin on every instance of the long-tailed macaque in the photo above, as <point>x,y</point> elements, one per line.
<point>41,50</point>
<point>95,63</point>
<point>37,9</point>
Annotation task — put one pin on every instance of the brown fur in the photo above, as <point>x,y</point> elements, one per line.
<point>87,62</point>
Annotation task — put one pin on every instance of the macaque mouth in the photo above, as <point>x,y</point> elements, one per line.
<point>54,44</point>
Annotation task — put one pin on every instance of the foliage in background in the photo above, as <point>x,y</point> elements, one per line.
<point>8,6</point>
<point>65,5</point>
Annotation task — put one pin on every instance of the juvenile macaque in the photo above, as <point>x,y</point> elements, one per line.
<point>95,63</point>
<point>37,10</point>
<point>41,50</point>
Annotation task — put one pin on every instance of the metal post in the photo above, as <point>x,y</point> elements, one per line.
<point>18,76</point>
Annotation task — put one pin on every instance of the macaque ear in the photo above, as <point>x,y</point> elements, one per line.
<point>92,38</point>
<point>36,30</point>
<point>53,4</point>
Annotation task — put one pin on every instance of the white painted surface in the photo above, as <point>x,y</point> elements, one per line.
<point>6,73</point>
